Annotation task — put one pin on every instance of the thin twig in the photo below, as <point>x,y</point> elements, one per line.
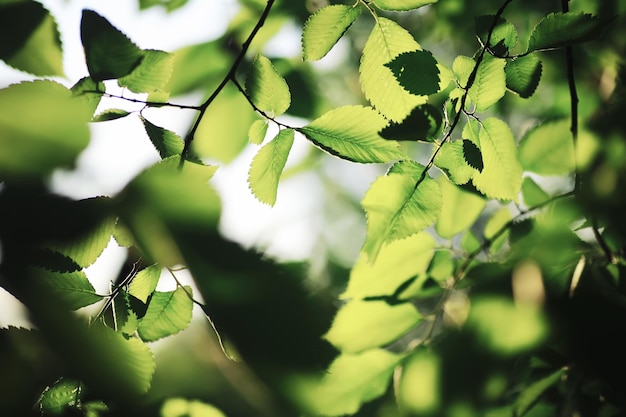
<point>254,106</point>
<point>144,102</point>
<point>228,77</point>
<point>115,292</point>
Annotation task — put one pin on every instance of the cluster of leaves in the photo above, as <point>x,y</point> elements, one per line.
<point>475,289</point>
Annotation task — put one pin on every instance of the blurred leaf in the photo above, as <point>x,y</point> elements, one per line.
<point>88,92</point>
<point>267,88</point>
<point>387,41</point>
<point>441,266</point>
<point>57,398</point>
<point>548,149</point>
<point>531,394</point>
<point>424,123</point>
<point>30,38</point>
<point>558,30</point>
<point>503,37</point>
<point>257,131</point>
<point>169,5</point>
<point>325,27</point>
<point>501,176</point>
<point>109,53</point>
<point>416,71</point>
<point>396,208</point>
<point>180,407</point>
<point>152,73</point>
<point>361,325</point>
<point>523,75</point>
<point>42,127</point>
<point>144,283</point>
<point>168,313</point>
<point>166,142</point>
<point>399,5</point>
<point>495,223</point>
<point>110,114</point>
<point>420,386</point>
<point>351,132</point>
<point>459,209</point>
<point>532,194</point>
<point>267,167</point>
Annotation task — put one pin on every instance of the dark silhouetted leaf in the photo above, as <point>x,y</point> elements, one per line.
<point>472,155</point>
<point>416,72</point>
<point>424,123</point>
<point>523,75</point>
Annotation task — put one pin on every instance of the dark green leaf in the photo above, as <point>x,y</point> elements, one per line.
<point>523,75</point>
<point>110,114</point>
<point>424,123</point>
<point>557,30</point>
<point>416,72</point>
<point>532,393</point>
<point>64,394</point>
<point>472,155</point>
<point>504,35</point>
<point>108,52</point>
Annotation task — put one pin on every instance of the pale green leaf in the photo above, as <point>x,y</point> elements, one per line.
<point>166,142</point>
<point>181,407</point>
<point>325,27</point>
<point>110,114</point>
<point>145,282</point>
<point>462,67</point>
<point>361,325</point>
<point>72,287</point>
<point>523,75</point>
<point>257,131</point>
<point>459,209</point>
<point>531,394</point>
<point>490,83</point>
<point>503,37</point>
<point>351,132</point>
<point>501,176</point>
<point>495,225</point>
<point>532,194</point>
<point>441,266</point>
<point>548,149</point>
<point>108,52</point>
<point>400,5</point>
<point>387,41</point>
<point>57,398</point>
<point>396,208</point>
<point>267,89</point>
<point>420,386</point>
<point>351,381</point>
<point>52,134</point>
<point>416,71</point>
<point>558,30</point>
<point>30,38</point>
<point>168,313</point>
<point>469,242</point>
<point>151,75</point>
<point>452,161</point>
<point>268,165</point>
<point>169,5</point>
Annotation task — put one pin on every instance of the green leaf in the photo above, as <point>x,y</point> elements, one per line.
<point>57,398</point>
<point>441,267</point>
<point>267,88</point>
<point>548,149</point>
<point>168,313</point>
<point>53,134</point>
<point>387,41</point>
<point>351,132</point>
<point>361,325</point>
<point>325,27</point>
<point>494,225</point>
<point>469,242</point>
<point>351,381</point>
<point>399,5</point>
<point>420,386</point>
<point>73,288</point>
<point>558,30</point>
<point>88,92</point>
<point>532,194</point>
<point>110,114</point>
<point>531,394</point>
<point>416,71</point>
<point>501,176</point>
<point>523,75</point>
<point>257,131</point>
<point>180,407</point>
<point>459,209</point>
<point>490,83</point>
<point>30,38</point>
<point>268,165</point>
<point>166,142</point>
<point>169,5</point>
<point>108,52</point>
<point>451,159</point>
<point>396,208</point>
<point>145,282</point>
<point>503,37</point>
<point>152,73</point>
<point>472,155</point>
<point>425,123</point>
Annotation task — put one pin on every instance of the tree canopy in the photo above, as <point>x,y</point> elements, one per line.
<point>469,160</point>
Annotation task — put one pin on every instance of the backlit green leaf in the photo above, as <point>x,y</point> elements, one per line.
<point>501,176</point>
<point>257,131</point>
<point>532,194</point>
<point>88,92</point>
<point>503,37</point>
<point>110,114</point>
<point>361,325</point>
<point>168,313</point>
<point>109,53</point>
<point>64,394</point>
<point>30,38</point>
<point>181,407</point>
<point>496,223</point>
<point>396,208</point>
<point>531,394</point>
<point>451,159</point>
<point>387,41</point>
<point>152,73</point>
<point>419,389</point>
<point>548,149</point>
<point>399,5</point>
<point>42,127</point>
<point>166,142</point>
<point>267,88</point>
<point>557,30</point>
<point>145,282</point>
<point>351,132</point>
<point>416,71</point>
<point>490,83</point>
<point>523,75</point>
<point>73,288</point>
<point>351,380</point>
<point>424,123</point>
<point>268,165</point>
<point>169,5</point>
<point>325,27</point>
<point>459,209</point>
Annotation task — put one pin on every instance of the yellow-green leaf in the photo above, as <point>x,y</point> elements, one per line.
<point>257,131</point>
<point>168,313</point>
<point>459,209</point>
<point>268,165</point>
<point>548,149</point>
<point>325,27</point>
<point>400,5</point>
<point>151,75</point>
<point>267,89</point>
<point>145,282</point>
